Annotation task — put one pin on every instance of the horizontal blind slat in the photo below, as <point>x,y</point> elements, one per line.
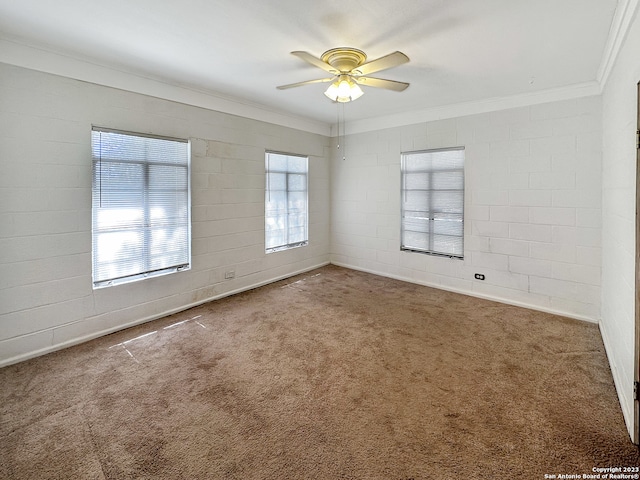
<point>433,201</point>
<point>286,202</point>
<point>140,205</point>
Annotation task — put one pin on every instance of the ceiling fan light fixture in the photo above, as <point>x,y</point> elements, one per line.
<point>355,91</point>
<point>343,90</point>
<point>349,69</point>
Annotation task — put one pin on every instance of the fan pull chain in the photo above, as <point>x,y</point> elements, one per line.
<point>344,147</point>
<point>338,122</point>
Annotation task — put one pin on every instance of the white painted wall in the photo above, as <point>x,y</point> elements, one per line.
<point>618,214</point>
<point>532,205</point>
<point>46,297</point>
<point>547,186</point>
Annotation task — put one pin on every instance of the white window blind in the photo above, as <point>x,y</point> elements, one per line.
<point>286,206</point>
<point>140,206</point>
<point>433,202</point>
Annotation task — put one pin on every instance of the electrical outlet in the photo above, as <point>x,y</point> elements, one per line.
<point>230,274</point>
<point>479,276</point>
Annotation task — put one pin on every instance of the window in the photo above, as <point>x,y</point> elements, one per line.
<point>140,206</point>
<point>286,206</point>
<point>433,202</point>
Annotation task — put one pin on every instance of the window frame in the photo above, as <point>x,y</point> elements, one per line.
<point>145,205</point>
<point>431,233</point>
<point>287,245</point>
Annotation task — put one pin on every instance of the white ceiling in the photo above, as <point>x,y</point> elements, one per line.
<point>461,51</point>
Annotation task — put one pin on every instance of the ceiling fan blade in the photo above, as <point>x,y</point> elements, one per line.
<point>381,83</point>
<point>308,82</point>
<point>316,62</point>
<point>388,61</point>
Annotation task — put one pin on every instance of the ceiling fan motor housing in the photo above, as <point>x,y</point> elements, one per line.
<point>349,67</point>
<point>344,59</point>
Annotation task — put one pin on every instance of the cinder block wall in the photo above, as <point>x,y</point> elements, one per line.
<point>46,295</point>
<point>619,285</point>
<point>532,205</point>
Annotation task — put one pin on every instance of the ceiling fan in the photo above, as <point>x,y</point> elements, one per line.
<point>349,69</point>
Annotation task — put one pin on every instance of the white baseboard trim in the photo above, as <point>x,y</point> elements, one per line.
<point>101,333</point>
<point>471,293</point>
<point>627,408</point>
<point>85,338</point>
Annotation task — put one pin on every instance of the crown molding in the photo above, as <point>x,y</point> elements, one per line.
<point>471,108</point>
<point>622,19</point>
<point>16,52</point>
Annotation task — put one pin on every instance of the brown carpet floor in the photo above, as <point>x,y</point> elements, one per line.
<point>335,374</point>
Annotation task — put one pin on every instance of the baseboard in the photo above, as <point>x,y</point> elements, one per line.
<point>470,293</point>
<point>627,409</point>
<point>85,338</point>
<point>101,333</point>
